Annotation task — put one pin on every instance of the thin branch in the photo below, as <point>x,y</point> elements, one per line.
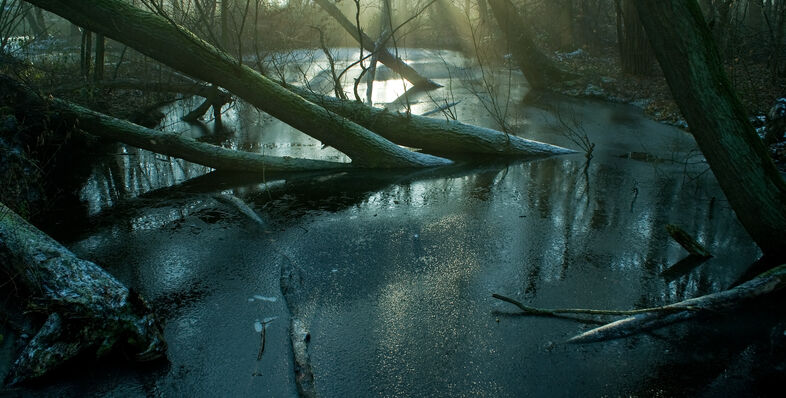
<point>555,311</point>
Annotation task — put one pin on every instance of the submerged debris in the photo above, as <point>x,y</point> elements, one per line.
<point>292,288</point>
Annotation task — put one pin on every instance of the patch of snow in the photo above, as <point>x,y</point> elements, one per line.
<point>573,54</point>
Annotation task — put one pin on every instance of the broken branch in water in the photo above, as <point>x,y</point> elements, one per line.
<point>557,311</point>
<point>642,320</point>
<point>687,242</point>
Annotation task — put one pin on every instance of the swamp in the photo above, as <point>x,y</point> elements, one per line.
<point>493,198</point>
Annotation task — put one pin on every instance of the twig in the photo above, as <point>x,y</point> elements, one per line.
<point>262,344</point>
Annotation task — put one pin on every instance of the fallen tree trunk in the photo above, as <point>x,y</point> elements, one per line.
<point>432,135</point>
<point>153,140</point>
<point>178,48</point>
<point>87,308</point>
<point>539,70</point>
<point>645,319</point>
<point>726,300</point>
<point>395,64</point>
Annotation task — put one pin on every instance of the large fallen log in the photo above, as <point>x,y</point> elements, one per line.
<point>393,62</point>
<point>173,45</point>
<point>432,135</point>
<point>153,140</point>
<point>87,309</point>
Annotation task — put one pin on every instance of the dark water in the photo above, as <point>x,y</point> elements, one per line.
<point>399,267</point>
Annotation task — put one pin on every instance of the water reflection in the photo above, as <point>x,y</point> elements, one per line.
<point>399,266</point>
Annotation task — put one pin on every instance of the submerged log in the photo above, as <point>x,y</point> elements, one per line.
<point>88,310</point>
<point>687,242</point>
<point>291,284</point>
<point>430,134</point>
<point>180,49</point>
<point>153,140</point>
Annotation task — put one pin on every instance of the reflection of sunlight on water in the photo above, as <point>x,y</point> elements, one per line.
<point>445,266</point>
<point>172,271</point>
<point>388,90</point>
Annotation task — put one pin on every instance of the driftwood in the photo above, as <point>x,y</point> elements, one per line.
<point>641,320</point>
<point>87,309</point>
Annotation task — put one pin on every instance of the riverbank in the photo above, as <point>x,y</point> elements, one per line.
<point>601,78</point>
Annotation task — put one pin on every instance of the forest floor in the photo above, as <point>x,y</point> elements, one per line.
<point>602,78</point>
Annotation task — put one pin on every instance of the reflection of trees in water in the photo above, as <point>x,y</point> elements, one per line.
<point>594,227</point>
<point>131,173</point>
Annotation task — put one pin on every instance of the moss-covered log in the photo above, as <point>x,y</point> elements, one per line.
<point>153,140</point>
<point>178,48</point>
<point>88,310</point>
<point>432,135</point>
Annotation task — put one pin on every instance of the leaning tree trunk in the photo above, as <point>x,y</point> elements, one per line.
<point>396,64</point>
<point>169,144</point>
<point>691,63</point>
<point>178,48</point>
<point>87,309</point>
<point>539,70</point>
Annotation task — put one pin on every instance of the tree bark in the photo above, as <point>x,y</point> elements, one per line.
<point>174,46</point>
<point>98,75</point>
<point>383,55</point>
<point>433,135</point>
<point>539,70</point>
<point>153,140</point>
<point>691,63</point>
<point>87,308</point>
<point>86,53</point>
<point>635,52</point>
